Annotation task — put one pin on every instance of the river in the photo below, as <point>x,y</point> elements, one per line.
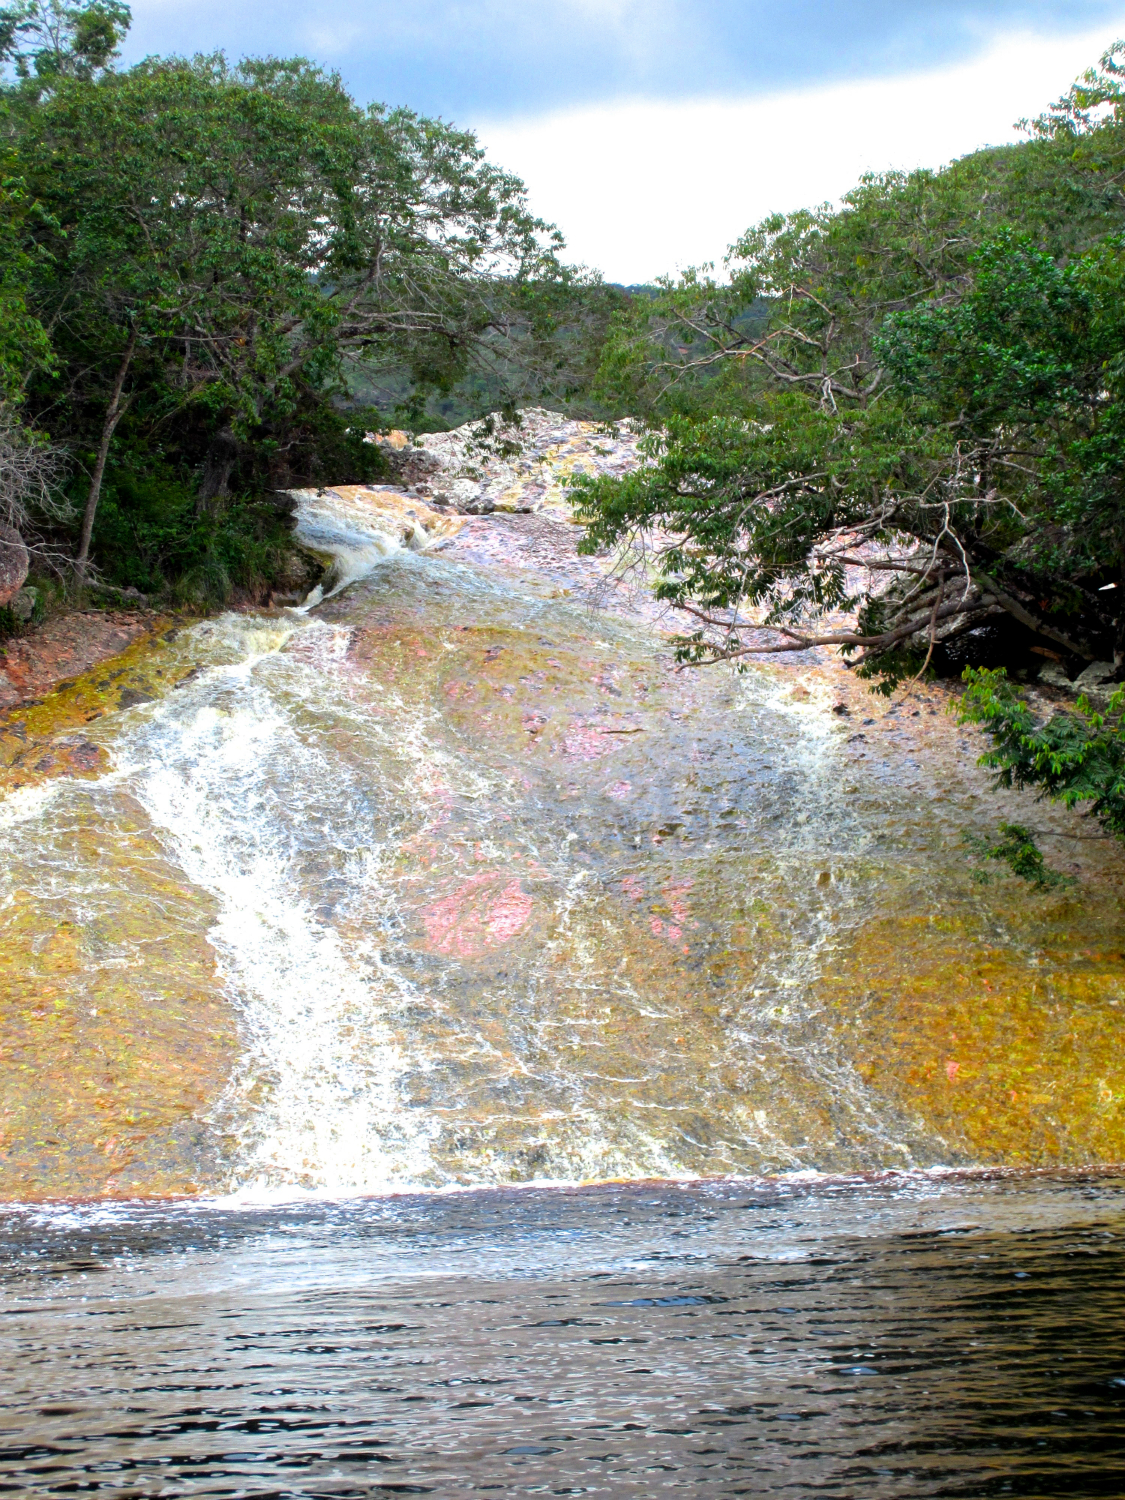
<point>387,927</point>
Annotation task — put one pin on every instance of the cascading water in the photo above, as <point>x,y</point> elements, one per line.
<point>494,895</point>
<point>441,880</point>
<point>251,808</point>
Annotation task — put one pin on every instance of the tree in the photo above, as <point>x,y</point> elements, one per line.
<point>46,40</point>
<point>219,242</point>
<point>900,420</point>
<point>29,465</point>
<point>24,344</point>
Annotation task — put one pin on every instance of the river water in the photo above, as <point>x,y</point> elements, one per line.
<point>843,1339</point>
<point>386,923</point>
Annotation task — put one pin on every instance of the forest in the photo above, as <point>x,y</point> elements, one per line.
<point>210,273</point>
<point>893,425</point>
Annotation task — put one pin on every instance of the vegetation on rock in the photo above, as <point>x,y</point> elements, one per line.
<point>205,259</point>
<point>898,427</point>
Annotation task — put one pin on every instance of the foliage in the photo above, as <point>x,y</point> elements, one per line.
<point>898,420</point>
<point>222,251</point>
<point>24,344</point>
<point>155,541</point>
<point>48,40</point>
<point>1027,375</point>
<point>1019,851</point>
<point>254,227</point>
<point>29,467</point>
<point>1073,758</point>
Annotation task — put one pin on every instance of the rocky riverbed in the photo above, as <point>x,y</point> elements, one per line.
<point>451,876</point>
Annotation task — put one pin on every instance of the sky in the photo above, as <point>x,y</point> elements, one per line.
<point>654,131</point>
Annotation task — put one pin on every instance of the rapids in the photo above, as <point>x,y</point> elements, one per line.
<point>347,950</point>
<point>445,879</point>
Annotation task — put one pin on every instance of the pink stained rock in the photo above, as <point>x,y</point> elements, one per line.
<point>476,917</point>
<point>582,743</point>
<point>510,914</point>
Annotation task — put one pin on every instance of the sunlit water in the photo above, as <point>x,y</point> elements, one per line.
<point>444,882</point>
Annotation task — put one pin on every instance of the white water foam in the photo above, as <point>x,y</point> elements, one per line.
<point>242,796</point>
<point>354,539</point>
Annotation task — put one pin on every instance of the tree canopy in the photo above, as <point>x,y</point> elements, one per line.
<point>896,425</point>
<point>215,248</point>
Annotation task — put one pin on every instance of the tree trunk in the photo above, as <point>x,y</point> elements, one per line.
<point>114,413</point>
<point>222,455</point>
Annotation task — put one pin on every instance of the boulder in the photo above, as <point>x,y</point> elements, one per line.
<point>22,604</point>
<point>1099,674</point>
<point>284,502</point>
<point>1096,681</point>
<point>1053,674</point>
<point>13,563</point>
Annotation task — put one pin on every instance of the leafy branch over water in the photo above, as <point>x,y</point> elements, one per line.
<point>898,429</point>
<point>1019,851</point>
<point>1074,758</point>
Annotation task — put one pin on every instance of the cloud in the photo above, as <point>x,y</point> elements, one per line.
<point>471,59</point>
<point>654,131</point>
<point>643,187</point>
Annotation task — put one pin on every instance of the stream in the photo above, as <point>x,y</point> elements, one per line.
<point>475,1055</point>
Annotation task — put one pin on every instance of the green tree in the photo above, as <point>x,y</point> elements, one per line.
<point>46,40</point>
<point>898,420</point>
<point>29,466</point>
<point>24,344</point>
<point>220,243</point>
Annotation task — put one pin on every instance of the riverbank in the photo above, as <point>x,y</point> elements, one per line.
<point>34,664</point>
<point>66,675</point>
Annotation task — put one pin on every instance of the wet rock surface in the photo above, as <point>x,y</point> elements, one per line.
<point>31,666</point>
<point>523,466</point>
<point>69,675</point>
<point>488,890</point>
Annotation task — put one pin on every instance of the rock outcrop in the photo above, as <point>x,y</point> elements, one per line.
<point>69,645</point>
<point>1097,682</point>
<point>14,563</point>
<point>22,604</point>
<point>495,465</point>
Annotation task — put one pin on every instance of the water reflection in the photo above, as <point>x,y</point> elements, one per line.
<point>902,1337</point>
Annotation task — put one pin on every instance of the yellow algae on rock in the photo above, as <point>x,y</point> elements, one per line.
<point>1008,1050</point>
<point>49,737</point>
<point>501,894</point>
<point>115,1038</point>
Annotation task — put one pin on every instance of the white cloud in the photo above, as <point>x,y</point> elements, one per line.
<point>644,187</point>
